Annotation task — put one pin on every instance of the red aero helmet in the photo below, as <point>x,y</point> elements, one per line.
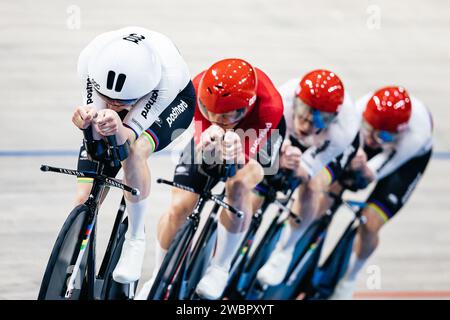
<point>388,109</point>
<point>228,85</point>
<point>321,90</point>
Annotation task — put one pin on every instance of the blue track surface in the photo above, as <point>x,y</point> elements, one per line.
<point>439,155</point>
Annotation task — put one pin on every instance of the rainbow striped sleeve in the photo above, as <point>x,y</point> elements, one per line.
<point>381,210</point>
<point>330,174</point>
<point>152,138</point>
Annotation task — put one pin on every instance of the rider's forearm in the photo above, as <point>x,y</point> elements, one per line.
<point>302,174</point>
<point>326,201</point>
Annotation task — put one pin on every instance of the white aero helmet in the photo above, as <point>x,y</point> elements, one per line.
<point>126,68</point>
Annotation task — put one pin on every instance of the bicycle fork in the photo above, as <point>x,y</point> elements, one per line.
<point>76,268</point>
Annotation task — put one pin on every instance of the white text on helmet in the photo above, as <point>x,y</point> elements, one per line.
<point>134,37</point>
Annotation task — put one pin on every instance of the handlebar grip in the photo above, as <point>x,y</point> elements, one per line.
<point>88,136</point>
<point>229,170</point>
<point>353,180</point>
<point>96,149</point>
<point>284,180</point>
<point>112,141</point>
<point>289,173</point>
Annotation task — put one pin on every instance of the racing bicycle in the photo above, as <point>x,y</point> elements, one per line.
<point>306,279</point>
<point>185,262</point>
<point>71,269</point>
<point>245,266</point>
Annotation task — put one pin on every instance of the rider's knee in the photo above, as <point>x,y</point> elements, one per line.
<point>179,209</point>
<point>248,177</point>
<point>314,186</point>
<point>255,174</point>
<point>236,186</point>
<point>140,149</point>
<point>373,223</point>
<point>83,191</point>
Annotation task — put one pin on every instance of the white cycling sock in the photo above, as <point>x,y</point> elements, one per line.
<point>226,247</point>
<point>136,218</point>
<point>354,266</point>
<point>289,236</point>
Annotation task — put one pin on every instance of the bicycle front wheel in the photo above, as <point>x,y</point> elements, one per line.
<point>62,259</point>
<point>165,285</point>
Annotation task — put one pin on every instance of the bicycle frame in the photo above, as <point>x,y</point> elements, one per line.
<point>322,281</point>
<point>243,264</point>
<point>307,254</point>
<point>193,223</point>
<point>177,272</point>
<point>188,283</point>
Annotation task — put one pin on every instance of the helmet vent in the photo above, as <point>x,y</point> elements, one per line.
<point>120,81</point>
<point>226,94</point>
<point>209,90</point>
<point>110,80</point>
<point>218,86</point>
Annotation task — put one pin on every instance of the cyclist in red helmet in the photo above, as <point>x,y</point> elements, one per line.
<point>322,124</point>
<point>239,111</point>
<point>386,115</point>
<point>397,144</point>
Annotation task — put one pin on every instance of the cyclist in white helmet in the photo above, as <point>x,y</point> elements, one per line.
<point>136,86</point>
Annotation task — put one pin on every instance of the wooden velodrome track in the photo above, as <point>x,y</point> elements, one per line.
<point>368,43</point>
